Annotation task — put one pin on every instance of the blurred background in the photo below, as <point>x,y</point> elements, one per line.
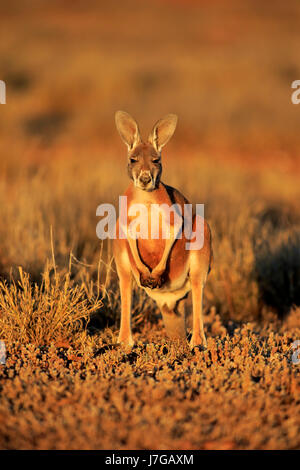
<point>225,67</point>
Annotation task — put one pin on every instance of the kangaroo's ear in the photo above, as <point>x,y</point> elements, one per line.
<point>163,131</point>
<point>127,128</point>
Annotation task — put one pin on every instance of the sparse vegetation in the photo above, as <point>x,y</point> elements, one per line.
<point>242,393</point>
<point>41,314</point>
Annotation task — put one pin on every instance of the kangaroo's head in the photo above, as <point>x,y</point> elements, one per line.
<point>144,158</point>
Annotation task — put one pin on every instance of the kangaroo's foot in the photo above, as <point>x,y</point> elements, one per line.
<point>125,340</point>
<point>198,340</point>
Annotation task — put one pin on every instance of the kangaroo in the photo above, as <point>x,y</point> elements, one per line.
<point>162,266</point>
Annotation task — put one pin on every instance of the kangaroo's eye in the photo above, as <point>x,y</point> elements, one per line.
<point>133,160</point>
<point>156,160</point>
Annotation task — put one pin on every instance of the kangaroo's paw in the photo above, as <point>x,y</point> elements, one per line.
<point>153,280</point>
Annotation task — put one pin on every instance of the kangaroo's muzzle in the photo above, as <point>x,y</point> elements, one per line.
<point>145,180</point>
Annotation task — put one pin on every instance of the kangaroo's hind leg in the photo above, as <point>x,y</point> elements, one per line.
<point>200,263</point>
<point>198,336</point>
<point>125,282</point>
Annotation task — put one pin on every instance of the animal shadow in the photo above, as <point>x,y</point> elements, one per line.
<point>276,247</point>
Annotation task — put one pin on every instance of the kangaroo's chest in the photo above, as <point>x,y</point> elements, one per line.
<point>151,226</point>
<point>151,251</point>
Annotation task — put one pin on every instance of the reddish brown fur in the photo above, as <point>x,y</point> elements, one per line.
<point>165,268</point>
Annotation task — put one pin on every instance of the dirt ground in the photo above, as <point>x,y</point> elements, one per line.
<point>241,393</point>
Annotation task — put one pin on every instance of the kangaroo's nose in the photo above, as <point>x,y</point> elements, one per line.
<point>145,178</point>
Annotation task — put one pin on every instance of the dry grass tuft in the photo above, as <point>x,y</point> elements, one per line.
<point>40,314</point>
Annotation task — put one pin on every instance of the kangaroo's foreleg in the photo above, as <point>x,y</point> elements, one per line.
<point>132,241</point>
<point>174,230</point>
<point>142,268</point>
